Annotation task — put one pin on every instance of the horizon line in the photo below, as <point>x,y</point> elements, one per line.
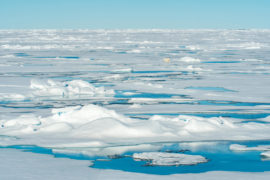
<point>132,29</point>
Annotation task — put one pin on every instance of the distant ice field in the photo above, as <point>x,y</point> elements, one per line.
<point>149,101</point>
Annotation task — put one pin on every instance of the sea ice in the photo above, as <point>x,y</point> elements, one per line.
<point>63,62</point>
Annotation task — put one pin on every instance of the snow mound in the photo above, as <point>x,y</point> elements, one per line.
<point>78,126</point>
<point>190,60</point>
<point>191,68</point>
<point>66,89</point>
<point>169,159</point>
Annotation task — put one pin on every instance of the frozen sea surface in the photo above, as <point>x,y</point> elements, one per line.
<point>105,95</point>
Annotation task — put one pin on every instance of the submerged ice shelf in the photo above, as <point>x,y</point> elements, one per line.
<point>116,93</point>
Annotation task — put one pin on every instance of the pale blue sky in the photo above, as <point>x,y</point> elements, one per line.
<point>139,14</point>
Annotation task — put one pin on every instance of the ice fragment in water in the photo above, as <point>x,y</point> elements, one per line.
<point>169,159</point>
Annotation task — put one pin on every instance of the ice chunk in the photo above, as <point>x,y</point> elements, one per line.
<point>169,159</point>
<point>66,89</point>
<point>238,147</point>
<point>247,45</point>
<point>98,149</point>
<point>191,68</point>
<point>266,155</point>
<point>190,60</point>
<point>134,51</point>
<point>12,97</point>
<point>135,106</point>
<point>193,47</point>
<point>156,100</point>
<point>126,70</point>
